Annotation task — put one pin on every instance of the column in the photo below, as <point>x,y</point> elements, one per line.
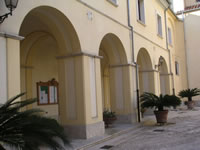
<point>3,71</point>
<point>123,92</point>
<point>9,66</point>
<point>81,96</point>
<point>13,67</point>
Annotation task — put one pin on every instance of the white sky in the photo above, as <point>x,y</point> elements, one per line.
<point>178,5</point>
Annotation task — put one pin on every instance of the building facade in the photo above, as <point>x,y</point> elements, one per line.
<point>191,16</point>
<point>102,53</point>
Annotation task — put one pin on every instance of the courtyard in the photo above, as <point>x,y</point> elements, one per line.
<point>180,133</point>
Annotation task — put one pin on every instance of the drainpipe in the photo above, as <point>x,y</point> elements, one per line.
<point>133,59</point>
<point>167,47</point>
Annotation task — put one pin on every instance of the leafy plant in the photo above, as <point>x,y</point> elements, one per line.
<point>28,129</point>
<point>109,114</point>
<point>189,93</point>
<point>150,100</point>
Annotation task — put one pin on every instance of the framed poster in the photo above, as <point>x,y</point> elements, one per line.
<point>47,92</point>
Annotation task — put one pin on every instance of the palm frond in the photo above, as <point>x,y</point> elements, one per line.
<point>171,101</point>
<point>28,129</point>
<point>189,93</point>
<point>150,100</point>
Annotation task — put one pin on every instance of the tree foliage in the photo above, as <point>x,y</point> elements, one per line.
<point>189,93</point>
<point>150,100</point>
<point>28,129</point>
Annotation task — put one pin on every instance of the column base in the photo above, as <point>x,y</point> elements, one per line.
<point>149,112</point>
<point>85,131</point>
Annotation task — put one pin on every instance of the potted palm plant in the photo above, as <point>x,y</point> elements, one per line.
<point>189,93</point>
<point>150,100</point>
<point>109,117</point>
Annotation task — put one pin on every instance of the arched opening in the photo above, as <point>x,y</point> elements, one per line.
<point>164,77</point>
<point>112,71</point>
<point>49,39</point>
<point>146,77</point>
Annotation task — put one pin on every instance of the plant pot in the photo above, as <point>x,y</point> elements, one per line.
<point>190,104</point>
<point>109,121</point>
<point>161,116</point>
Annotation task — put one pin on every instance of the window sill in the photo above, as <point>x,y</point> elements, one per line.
<point>170,45</point>
<point>160,36</point>
<point>113,3</point>
<point>141,22</point>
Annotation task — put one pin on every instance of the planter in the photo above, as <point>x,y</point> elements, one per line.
<point>161,116</point>
<point>109,121</point>
<point>190,104</point>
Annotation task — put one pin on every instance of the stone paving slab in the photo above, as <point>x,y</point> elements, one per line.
<point>181,133</point>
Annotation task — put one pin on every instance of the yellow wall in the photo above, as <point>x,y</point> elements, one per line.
<point>41,65</point>
<point>192,45</point>
<point>67,36</point>
<point>13,67</point>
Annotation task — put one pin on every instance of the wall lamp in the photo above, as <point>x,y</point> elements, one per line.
<point>11,5</point>
<point>160,62</point>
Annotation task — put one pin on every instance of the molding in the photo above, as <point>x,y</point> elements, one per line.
<point>79,54</point>
<point>153,70</point>
<point>122,65</point>
<point>187,11</point>
<point>116,4</point>
<point>11,36</point>
<point>165,74</point>
<point>103,14</point>
<point>26,67</point>
<point>164,3</point>
<point>150,41</point>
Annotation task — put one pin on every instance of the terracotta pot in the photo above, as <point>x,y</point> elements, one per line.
<point>109,121</point>
<point>190,104</point>
<point>161,116</point>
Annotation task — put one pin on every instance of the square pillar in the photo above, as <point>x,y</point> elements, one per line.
<point>123,93</point>
<point>3,70</point>
<point>13,67</point>
<point>81,96</point>
<point>9,66</point>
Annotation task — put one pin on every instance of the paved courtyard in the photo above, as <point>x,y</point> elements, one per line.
<point>181,133</point>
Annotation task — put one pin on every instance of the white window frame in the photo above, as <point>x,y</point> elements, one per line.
<point>139,13</point>
<point>159,29</point>
<point>169,36</point>
<point>177,68</point>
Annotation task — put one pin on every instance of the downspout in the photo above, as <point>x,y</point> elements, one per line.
<point>133,59</point>
<point>167,47</point>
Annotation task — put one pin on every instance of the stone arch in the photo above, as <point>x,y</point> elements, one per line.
<point>50,41</point>
<point>146,73</point>
<point>114,48</point>
<point>112,72</point>
<point>50,20</point>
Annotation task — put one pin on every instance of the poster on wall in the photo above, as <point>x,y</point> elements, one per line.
<point>47,92</point>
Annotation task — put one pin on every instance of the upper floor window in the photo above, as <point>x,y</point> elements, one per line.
<point>159,25</point>
<point>169,36</point>
<point>141,12</point>
<point>177,67</point>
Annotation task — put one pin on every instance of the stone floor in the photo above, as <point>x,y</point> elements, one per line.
<point>182,132</point>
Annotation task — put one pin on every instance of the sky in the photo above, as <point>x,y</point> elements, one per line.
<point>178,5</point>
